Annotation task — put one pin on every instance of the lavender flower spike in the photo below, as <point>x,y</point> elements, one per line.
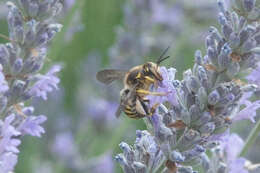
<point>207,100</point>
<point>31,28</point>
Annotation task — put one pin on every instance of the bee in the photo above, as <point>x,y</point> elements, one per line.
<point>137,83</point>
<point>133,105</point>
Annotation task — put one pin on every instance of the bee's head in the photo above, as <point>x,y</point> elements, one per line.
<point>153,70</point>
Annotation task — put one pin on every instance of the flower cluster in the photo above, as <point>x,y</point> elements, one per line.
<point>31,28</point>
<point>225,157</point>
<point>146,155</point>
<point>209,98</point>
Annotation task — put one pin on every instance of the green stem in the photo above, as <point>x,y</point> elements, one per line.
<point>251,139</point>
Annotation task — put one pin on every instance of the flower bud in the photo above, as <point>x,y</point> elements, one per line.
<point>222,19</point>
<point>227,30</point>
<point>4,55</point>
<point>194,152</point>
<point>176,156</point>
<point>207,129</point>
<point>249,5</point>
<point>139,167</point>
<point>212,54</point>
<point>205,117</point>
<point>198,57</point>
<point>215,34</point>
<point>203,98</point>
<point>194,112</point>
<point>205,162</point>
<point>248,45</point>
<point>233,69</point>
<point>213,97</point>
<point>234,40</point>
<point>187,169</point>
<point>3,103</point>
<point>33,9</point>
<point>223,58</point>
<point>193,84</point>
<point>17,66</point>
<point>244,35</point>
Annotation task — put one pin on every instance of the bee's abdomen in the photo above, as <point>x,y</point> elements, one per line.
<point>131,112</point>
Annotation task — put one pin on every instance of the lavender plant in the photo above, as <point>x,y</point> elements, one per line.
<point>225,157</point>
<point>31,27</point>
<point>201,108</point>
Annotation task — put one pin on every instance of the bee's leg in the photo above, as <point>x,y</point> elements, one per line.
<point>146,100</point>
<point>150,79</point>
<point>141,91</point>
<point>138,76</point>
<point>153,109</point>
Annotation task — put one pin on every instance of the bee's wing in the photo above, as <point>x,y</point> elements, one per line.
<point>109,75</point>
<point>119,110</point>
<point>120,107</point>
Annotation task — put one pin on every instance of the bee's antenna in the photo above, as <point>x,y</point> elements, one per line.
<point>162,58</point>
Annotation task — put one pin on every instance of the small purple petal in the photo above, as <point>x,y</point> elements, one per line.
<point>31,125</point>
<point>46,83</point>
<point>69,3</point>
<point>7,162</point>
<point>232,145</point>
<point>3,83</point>
<point>104,164</point>
<point>238,166</point>
<point>249,112</point>
<point>166,87</point>
<point>7,131</point>
<point>220,137</point>
<point>155,120</point>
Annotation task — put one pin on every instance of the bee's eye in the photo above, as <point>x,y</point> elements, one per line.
<point>126,91</point>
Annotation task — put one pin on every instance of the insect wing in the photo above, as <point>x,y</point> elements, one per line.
<point>109,75</point>
<point>119,110</point>
<point>120,107</point>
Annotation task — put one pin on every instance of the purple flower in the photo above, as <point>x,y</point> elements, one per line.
<point>220,137</point>
<point>163,13</point>
<point>156,121</point>
<point>64,142</point>
<point>165,87</point>
<point>69,3</point>
<point>3,83</point>
<point>104,164</point>
<point>7,132</point>
<point>100,110</point>
<point>8,161</point>
<point>8,144</point>
<point>238,166</point>
<point>249,112</point>
<point>31,125</point>
<point>46,83</point>
<point>232,146</point>
<point>254,76</point>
